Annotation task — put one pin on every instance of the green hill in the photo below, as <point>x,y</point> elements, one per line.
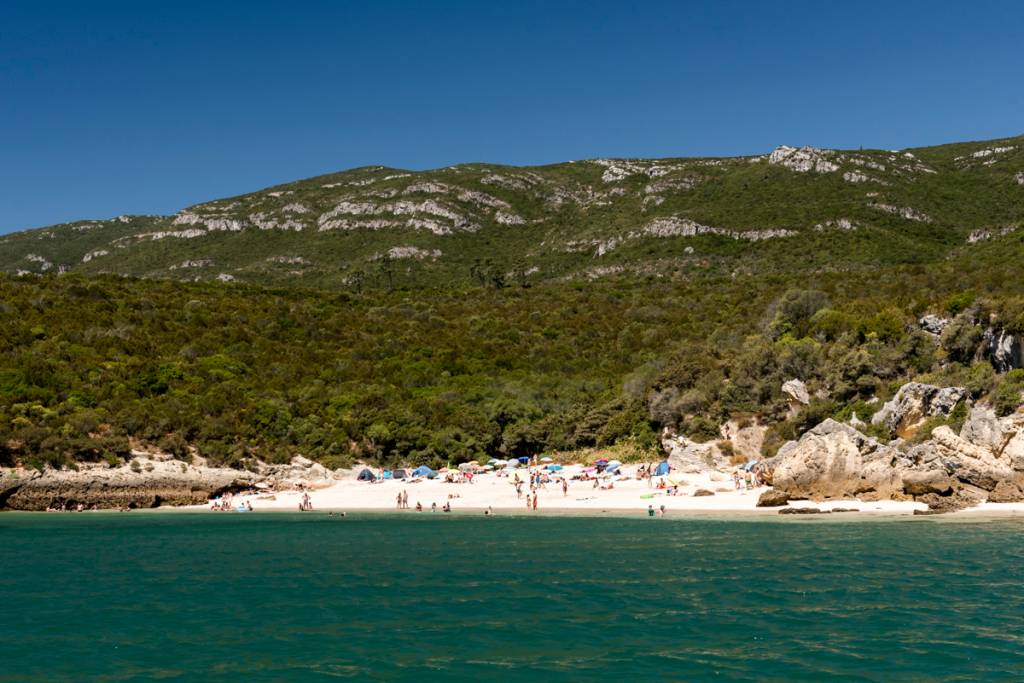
<point>381,227</point>
<point>484,310</point>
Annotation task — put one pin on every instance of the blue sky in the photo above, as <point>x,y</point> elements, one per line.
<point>135,107</point>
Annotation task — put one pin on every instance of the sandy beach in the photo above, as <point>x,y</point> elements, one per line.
<point>497,491</point>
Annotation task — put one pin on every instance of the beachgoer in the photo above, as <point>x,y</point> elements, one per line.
<point>248,506</point>
<point>527,501</point>
<point>419,506</point>
<point>433,507</point>
<point>405,499</point>
<point>535,497</point>
<point>650,510</point>
<point>399,501</point>
<point>662,510</point>
<point>565,487</point>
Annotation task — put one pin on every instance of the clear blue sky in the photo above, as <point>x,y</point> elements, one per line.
<point>135,107</point>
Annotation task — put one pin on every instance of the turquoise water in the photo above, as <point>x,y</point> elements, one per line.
<point>258,597</point>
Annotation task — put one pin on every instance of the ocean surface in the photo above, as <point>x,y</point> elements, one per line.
<point>418,597</point>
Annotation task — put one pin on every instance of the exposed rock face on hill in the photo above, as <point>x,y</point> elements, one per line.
<point>1004,350</point>
<point>690,457</point>
<point>914,403</point>
<point>340,224</point>
<point>746,438</point>
<point>147,484</point>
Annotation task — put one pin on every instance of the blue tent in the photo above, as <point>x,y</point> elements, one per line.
<point>367,475</point>
<point>662,469</point>
<point>398,474</point>
<point>423,471</point>
<point>386,475</point>
<point>524,459</point>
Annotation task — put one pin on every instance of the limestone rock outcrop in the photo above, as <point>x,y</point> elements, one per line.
<point>796,390</point>
<point>746,437</point>
<point>1004,350</point>
<point>144,483</point>
<point>913,404</point>
<point>834,460</point>
<point>933,324</point>
<point>690,457</point>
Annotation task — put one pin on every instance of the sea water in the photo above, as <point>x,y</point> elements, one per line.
<point>281,596</point>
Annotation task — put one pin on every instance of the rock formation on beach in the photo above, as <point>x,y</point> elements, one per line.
<point>985,461</point>
<point>147,481</point>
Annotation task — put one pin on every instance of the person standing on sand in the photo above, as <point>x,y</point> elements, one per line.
<point>405,499</point>
<point>527,501</point>
<point>535,497</point>
<point>565,487</point>
<point>399,499</point>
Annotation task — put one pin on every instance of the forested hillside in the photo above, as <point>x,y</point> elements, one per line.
<point>482,310</point>
<point>90,365</point>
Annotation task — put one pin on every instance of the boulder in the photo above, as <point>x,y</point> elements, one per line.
<point>772,499</point>
<point>914,403</point>
<point>920,482</point>
<point>834,460</point>
<point>702,492</point>
<point>795,390</point>
<point>1007,491</point>
<point>933,324</point>
<point>802,511</point>
<point>959,499</point>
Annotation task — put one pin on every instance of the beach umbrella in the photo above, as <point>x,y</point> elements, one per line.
<point>614,463</point>
<point>493,461</point>
<point>488,467</point>
<point>511,464</point>
<point>547,459</point>
<point>601,461</point>
<point>554,468</point>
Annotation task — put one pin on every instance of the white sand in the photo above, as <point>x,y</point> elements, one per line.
<point>498,492</point>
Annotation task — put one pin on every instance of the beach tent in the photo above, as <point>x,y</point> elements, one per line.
<point>398,474</point>
<point>423,471</point>
<point>467,467</point>
<point>511,464</point>
<point>495,461</point>
<point>612,464</point>
<point>386,474</point>
<point>524,459</point>
<point>750,465</point>
<point>662,469</point>
<point>554,468</point>
<point>367,475</point>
